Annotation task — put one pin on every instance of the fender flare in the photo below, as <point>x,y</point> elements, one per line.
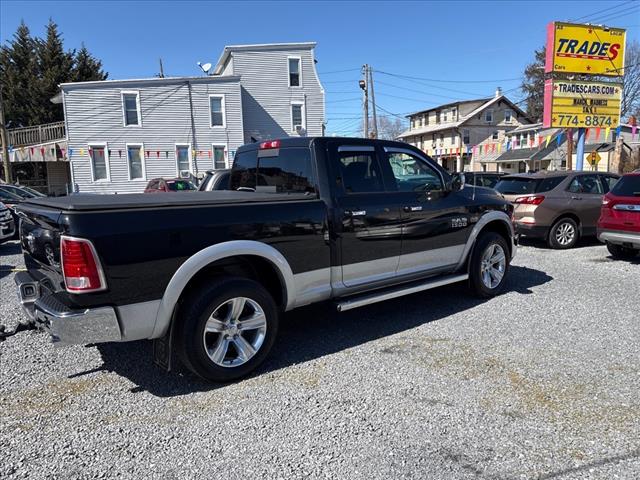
<point>492,216</point>
<point>211,254</point>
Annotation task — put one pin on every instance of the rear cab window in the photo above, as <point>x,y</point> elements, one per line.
<point>627,186</point>
<point>278,170</point>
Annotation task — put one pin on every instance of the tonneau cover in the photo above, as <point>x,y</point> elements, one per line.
<point>92,202</point>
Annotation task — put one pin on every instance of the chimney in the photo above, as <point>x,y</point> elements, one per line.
<point>498,92</point>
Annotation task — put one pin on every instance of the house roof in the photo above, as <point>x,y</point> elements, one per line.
<point>153,80</point>
<point>446,126</point>
<point>259,47</point>
<point>599,147</point>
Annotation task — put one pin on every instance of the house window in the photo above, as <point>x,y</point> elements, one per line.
<point>216,105</point>
<point>219,161</point>
<point>438,116</point>
<point>183,158</point>
<point>422,121</point>
<point>454,139</point>
<point>297,116</point>
<point>488,116</point>
<point>507,116</point>
<point>453,114</point>
<point>131,108</point>
<point>135,161</point>
<point>495,135</point>
<point>465,137</point>
<point>294,72</point>
<point>99,162</point>
<point>445,115</point>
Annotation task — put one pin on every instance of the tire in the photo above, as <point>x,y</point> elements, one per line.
<point>621,253</point>
<point>484,276</point>
<point>564,234</point>
<point>233,301</point>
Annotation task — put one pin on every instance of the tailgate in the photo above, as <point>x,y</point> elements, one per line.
<point>40,240</point>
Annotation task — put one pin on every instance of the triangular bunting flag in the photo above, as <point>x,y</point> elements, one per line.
<point>548,140</point>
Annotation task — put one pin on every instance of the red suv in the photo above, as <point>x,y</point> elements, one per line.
<point>619,223</point>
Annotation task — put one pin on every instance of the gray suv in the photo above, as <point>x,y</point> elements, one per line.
<point>559,207</point>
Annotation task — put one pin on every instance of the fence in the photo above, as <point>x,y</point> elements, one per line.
<point>21,137</point>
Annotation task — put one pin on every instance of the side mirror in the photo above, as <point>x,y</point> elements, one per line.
<point>457,182</point>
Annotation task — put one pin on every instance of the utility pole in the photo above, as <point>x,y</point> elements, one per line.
<point>570,149</point>
<point>373,101</point>
<point>364,85</point>
<point>5,143</point>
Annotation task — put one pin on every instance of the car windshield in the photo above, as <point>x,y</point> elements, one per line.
<point>18,191</point>
<point>9,197</point>
<point>517,185</point>
<point>180,185</point>
<point>627,186</point>
<point>33,192</point>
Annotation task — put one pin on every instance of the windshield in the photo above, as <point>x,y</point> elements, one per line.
<point>8,197</point>
<point>627,186</point>
<point>18,192</point>
<point>517,185</point>
<point>180,185</point>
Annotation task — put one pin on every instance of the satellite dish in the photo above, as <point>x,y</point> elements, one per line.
<point>205,67</point>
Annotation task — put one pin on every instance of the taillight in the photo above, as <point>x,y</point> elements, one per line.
<point>270,144</point>
<point>532,200</point>
<point>80,266</point>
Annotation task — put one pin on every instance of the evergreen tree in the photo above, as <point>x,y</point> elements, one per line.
<point>55,66</point>
<point>18,72</point>
<point>533,86</point>
<point>87,67</point>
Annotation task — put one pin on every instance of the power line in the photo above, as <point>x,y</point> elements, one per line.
<point>608,9</point>
<point>623,14</point>
<point>448,81</point>
<point>339,71</point>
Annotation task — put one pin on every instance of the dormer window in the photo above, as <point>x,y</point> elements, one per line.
<point>294,71</point>
<point>488,116</point>
<point>508,114</point>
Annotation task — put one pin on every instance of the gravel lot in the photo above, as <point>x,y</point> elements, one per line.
<point>542,382</point>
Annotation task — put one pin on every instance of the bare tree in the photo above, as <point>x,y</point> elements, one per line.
<point>631,82</point>
<point>390,128</point>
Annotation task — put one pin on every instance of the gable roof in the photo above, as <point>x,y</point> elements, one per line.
<point>257,48</point>
<point>446,126</point>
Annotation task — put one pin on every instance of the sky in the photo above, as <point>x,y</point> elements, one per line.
<point>453,50</point>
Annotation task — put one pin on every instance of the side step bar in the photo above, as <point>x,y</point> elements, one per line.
<point>399,291</point>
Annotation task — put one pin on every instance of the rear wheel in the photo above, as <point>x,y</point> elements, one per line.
<point>489,265</point>
<point>226,329</point>
<point>620,252</point>
<point>564,234</point>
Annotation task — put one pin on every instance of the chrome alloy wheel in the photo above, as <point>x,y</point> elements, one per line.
<point>565,233</point>
<point>493,265</point>
<point>234,332</point>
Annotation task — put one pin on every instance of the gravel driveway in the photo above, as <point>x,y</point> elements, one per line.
<point>542,382</point>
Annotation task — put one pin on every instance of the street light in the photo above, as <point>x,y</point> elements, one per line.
<point>363,84</point>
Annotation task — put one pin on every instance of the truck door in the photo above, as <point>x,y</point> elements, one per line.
<point>368,221</point>
<point>436,223</point>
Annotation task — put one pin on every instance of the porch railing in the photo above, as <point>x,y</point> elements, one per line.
<point>24,136</point>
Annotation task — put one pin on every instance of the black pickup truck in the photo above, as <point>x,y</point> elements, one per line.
<point>207,275</point>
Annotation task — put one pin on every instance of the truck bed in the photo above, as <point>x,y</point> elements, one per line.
<point>91,202</point>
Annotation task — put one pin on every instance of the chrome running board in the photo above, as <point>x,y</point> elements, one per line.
<point>398,291</point>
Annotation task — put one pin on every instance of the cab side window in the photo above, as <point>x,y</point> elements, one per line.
<point>586,184</point>
<point>360,172</point>
<point>413,174</point>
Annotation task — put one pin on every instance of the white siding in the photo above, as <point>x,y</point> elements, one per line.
<point>267,97</point>
<point>94,114</point>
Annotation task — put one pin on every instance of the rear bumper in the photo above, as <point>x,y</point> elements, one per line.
<point>626,239</point>
<point>533,231</point>
<point>66,326</point>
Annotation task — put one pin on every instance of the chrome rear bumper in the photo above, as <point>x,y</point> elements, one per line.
<point>66,326</point>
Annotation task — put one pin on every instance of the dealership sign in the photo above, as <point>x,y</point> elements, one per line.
<point>578,104</point>
<point>590,49</point>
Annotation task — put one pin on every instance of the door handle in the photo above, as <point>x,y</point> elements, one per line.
<point>576,198</point>
<point>414,208</point>
<point>356,213</point>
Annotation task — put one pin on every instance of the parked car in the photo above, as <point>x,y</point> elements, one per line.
<point>208,274</point>
<point>215,180</point>
<point>11,201</point>
<point>619,223</point>
<point>483,179</point>
<point>559,207</point>
<point>162,185</point>
<point>20,191</point>
<point>7,224</point>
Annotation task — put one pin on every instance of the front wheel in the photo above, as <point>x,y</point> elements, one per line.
<point>564,234</point>
<point>489,265</point>
<point>620,252</point>
<point>226,329</point>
